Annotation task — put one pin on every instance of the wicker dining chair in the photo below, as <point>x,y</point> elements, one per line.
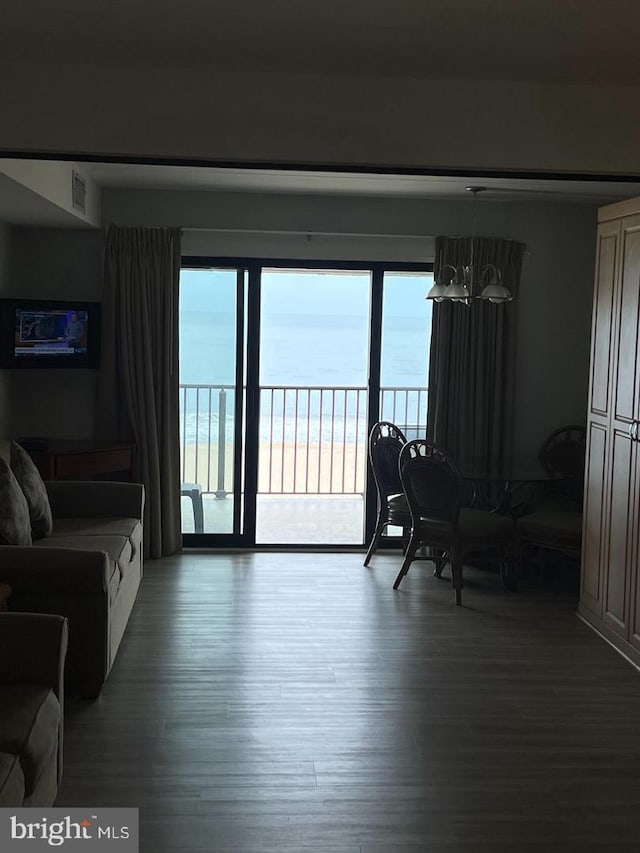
<point>386,440</point>
<point>554,523</point>
<point>436,493</point>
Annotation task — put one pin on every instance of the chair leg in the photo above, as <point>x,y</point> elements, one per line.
<point>409,556</point>
<point>440,561</point>
<point>510,565</point>
<point>198,512</point>
<point>380,525</point>
<point>456,573</point>
<point>406,535</point>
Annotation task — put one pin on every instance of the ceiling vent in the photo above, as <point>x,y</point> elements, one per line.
<point>79,192</point>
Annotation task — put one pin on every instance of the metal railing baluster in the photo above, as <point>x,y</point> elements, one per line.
<point>308,453</point>
<point>396,403</point>
<point>209,442</point>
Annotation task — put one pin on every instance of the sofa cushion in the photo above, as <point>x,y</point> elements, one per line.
<point>96,526</point>
<point>30,724</point>
<point>129,528</point>
<point>15,525</point>
<point>34,491</point>
<point>11,781</point>
<point>117,548</point>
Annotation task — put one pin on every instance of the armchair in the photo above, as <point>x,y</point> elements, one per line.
<point>32,654</point>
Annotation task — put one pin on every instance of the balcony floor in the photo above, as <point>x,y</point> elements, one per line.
<point>288,519</point>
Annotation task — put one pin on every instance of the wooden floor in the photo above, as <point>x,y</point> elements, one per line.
<point>294,702</point>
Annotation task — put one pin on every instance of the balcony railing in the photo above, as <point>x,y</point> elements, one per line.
<point>313,439</point>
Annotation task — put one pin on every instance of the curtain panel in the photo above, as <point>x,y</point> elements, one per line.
<point>472,363</point>
<point>138,394</point>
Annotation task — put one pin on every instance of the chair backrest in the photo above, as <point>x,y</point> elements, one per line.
<point>386,441</point>
<point>431,482</point>
<point>562,456</point>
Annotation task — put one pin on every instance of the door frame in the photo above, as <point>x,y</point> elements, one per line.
<point>247,404</point>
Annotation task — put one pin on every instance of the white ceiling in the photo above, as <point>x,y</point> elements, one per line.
<point>22,206</point>
<point>567,41</point>
<point>570,41</point>
<point>158,177</point>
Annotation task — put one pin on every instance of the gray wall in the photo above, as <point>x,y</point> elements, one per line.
<point>554,306</point>
<point>48,263</point>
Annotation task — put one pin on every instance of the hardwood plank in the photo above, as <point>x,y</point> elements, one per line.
<point>294,702</point>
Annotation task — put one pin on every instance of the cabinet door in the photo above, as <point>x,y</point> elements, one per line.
<point>634,620</point>
<point>621,529</point>
<point>602,322</point>
<point>627,392</point>
<point>594,518</point>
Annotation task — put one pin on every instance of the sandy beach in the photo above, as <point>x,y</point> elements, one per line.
<point>290,468</point>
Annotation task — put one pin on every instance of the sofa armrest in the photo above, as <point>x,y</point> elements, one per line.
<point>45,570</point>
<point>33,647</point>
<point>95,499</point>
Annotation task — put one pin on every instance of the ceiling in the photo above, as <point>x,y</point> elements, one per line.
<point>21,205</point>
<point>568,41</point>
<point>159,177</point>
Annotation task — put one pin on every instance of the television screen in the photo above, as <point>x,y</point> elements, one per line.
<point>50,334</point>
<point>53,332</point>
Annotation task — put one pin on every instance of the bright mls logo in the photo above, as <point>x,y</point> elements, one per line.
<point>69,829</point>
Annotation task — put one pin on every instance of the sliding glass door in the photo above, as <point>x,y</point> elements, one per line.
<point>212,394</point>
<point>314,361</point>
<point>283,370</point>
<point>404,351</point>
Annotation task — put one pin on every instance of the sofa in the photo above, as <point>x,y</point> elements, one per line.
<point>32,655</point>
<point>88,569</point>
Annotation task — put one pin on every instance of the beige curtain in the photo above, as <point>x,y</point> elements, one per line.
<point>472,363</point>
<point>138,396</point>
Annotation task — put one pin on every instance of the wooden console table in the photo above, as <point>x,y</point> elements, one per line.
<point>85,460</point>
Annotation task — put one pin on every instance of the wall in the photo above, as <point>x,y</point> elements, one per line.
<point>53,182</point>
<point>49,263</point>
<point>312,119</point>
<point>554,306</point>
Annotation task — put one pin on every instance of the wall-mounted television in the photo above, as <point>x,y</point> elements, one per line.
<point>46,333</point>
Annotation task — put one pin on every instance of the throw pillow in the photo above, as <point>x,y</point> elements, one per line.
<point>34,490</point>
<point>15,525</point>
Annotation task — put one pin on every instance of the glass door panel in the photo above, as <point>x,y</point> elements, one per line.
<point>211,317</point>
<point>404,354</point>
<point>404,351</point>
<point>313,395</point>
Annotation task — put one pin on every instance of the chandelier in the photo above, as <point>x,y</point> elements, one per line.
<point>464,282</point>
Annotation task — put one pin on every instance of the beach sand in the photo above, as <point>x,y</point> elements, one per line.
<point>290,469</point>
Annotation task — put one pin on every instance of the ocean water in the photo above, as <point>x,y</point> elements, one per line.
<point>314,332</point>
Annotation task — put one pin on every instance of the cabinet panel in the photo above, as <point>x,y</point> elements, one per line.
<point>634,626</point>
<point>628,323</point>
<point>610,580</point>
<point>621,525</point>
<point>602,328</point>
<point>594,518</point>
